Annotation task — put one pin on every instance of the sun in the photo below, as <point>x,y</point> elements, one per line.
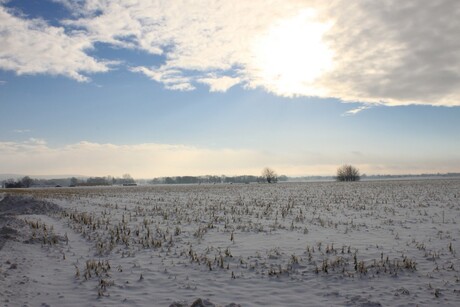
<point>291,55</point>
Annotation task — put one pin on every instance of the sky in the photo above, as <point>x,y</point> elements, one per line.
<point>168,88</point>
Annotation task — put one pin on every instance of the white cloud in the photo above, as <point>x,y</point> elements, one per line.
<point>219,84</point>
<point>171,78</point>
<point>378,52</point>
<point>356,110</point>
<point>33,47</point>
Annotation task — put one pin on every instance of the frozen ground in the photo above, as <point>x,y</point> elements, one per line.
<point>389,243</point>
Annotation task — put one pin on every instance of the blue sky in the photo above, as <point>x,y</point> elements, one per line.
<point>92,88</point>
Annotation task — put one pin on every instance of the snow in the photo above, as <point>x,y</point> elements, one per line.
<point>293,244</point>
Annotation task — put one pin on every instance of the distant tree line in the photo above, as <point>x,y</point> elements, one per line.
<point>210,179</point>
<point>126,179</point>
<point>344,173</point>
<point>27,182</point>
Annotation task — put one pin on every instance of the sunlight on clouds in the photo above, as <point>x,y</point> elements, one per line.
<point>375,52</point>
<point>291,55</point>
<point>356,110</point>
<point>171,78</point>
<point>220,84</point>
<point>35,157</point>
<point>141,160</point>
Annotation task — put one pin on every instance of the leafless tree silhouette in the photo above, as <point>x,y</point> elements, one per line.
<point>347,173</point>
<point>269,175</point>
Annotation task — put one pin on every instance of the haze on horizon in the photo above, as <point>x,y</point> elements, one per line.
<point>167,88</point>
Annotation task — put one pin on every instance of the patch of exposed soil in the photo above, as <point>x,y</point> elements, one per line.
<point>15,205</point>
<point>11,206</point>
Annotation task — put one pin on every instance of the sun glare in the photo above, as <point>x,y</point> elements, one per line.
<point>291,55</point>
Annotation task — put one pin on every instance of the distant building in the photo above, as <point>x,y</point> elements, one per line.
<point>129,184</point>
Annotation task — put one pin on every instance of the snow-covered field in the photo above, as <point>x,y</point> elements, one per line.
<point>382,243</point>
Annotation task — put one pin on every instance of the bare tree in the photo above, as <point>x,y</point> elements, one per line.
<point>347,173</point>
<point>73,182</point>
<point>27,181</point>
<point>127,179</point>
<point>269,175</point>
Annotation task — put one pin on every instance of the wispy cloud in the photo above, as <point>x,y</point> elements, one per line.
<point>36,142</point>
<point>2,82</point>
<point>380,52</point>
<point>21,130</point>
<point>356,110</point>
<point>171,78</point>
